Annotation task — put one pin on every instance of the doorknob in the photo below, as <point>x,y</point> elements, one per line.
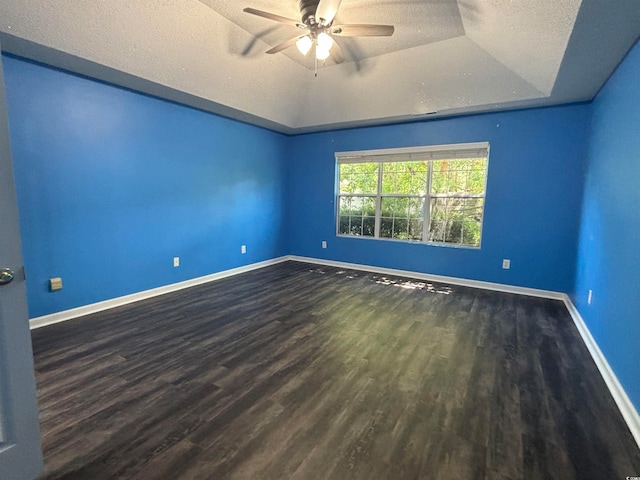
<point>6,275</point>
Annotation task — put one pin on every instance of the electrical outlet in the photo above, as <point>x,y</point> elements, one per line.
<point>55,284</point>
<point>324,244</point>
<point>243,249</point>
<point>506,263</point>
<point>176,261</point>
<point>590,297</point>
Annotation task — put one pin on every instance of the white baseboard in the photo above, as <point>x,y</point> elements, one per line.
<point>463,282</point>
<point>627,409</point>
<point>65,315</point>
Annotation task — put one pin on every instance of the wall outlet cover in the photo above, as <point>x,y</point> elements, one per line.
<point>55,284</point>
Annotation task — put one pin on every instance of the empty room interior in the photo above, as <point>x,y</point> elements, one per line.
<point>320,239</point>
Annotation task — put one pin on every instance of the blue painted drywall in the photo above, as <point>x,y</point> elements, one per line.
<point>609,252</point>
<point>112,185</point>
<point>533,199</point>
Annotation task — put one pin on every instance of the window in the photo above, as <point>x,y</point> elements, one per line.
<point>425,194</point>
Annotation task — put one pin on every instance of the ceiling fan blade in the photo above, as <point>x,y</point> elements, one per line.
<point>363,30</point>
<point>283,46</point>
<point>274,17</point>
<point>326,11</point>
<point>336,53</point>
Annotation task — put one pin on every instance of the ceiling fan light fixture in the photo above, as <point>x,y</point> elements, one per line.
<point>325,42</point>
<point>321,53</point>
<point>317,22</point>
<point>304,44</point>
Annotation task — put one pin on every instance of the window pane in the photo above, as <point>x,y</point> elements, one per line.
<point>416,218</point>
<point>356,226</point>
<point>415,207</point>
<point>415,229</point>
<point>437,229</point>
<point>369,226</point>
<point>400,228</point>
<point>463,176</point>
<point>473,208</point>
<point>386,227</point>
<point>402,218</point>
<point>344,225</point>
<point>350,206</point>
<point>357,216</point>
<point>471,233</point>
<point>359,178</point>
<point>477,176</point>
<point>453,234</point>
<point>389,211</point>
<point>456,220</point>
<point>408,178</point>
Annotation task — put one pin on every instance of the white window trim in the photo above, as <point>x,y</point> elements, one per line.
<point>430,152</point>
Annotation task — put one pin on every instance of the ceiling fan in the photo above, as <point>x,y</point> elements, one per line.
<point>317,23</point>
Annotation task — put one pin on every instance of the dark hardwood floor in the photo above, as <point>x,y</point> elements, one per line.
<point>297,371</point>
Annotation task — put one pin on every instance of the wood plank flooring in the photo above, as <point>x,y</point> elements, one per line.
<point>297,371</point>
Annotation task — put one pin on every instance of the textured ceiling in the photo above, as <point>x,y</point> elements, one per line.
<point>446,56</point>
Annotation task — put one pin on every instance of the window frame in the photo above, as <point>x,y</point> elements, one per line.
<point>430,154</point>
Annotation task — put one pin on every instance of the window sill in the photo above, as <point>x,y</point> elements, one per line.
<point>412,242</point>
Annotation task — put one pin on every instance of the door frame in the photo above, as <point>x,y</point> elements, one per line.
<point>20,447</point>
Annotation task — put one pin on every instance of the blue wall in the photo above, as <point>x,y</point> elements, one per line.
<point>532,211</point>
<point>113,184</point>
<point>609,250</point>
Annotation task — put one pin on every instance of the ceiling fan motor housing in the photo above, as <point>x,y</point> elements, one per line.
<point>308,9</point>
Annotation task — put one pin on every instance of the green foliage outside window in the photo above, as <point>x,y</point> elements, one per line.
<point>455,201</point>
<point>357,216</point>
<point>359,178</point>
<point>409,178</point>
